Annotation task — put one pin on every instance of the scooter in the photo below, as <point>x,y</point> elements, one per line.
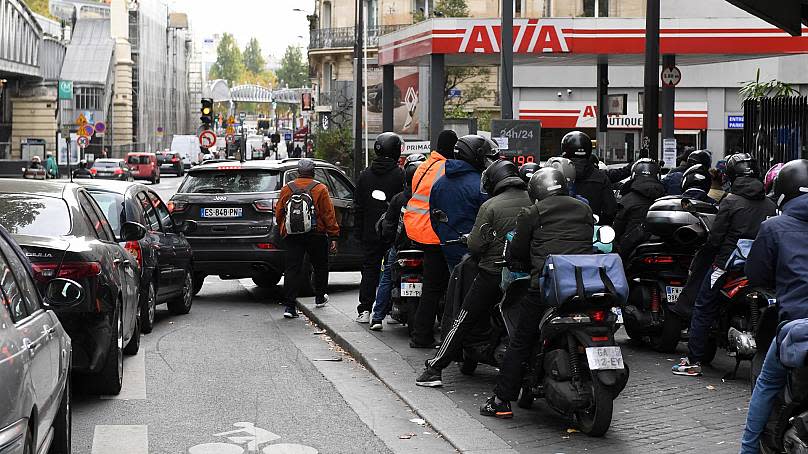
<point>34,174</point>
<point>408,279</point>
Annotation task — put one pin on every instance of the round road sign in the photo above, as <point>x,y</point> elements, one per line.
<point>82,142</point>
<point>671,76</point>
<point>230,139</point>
<point>207,138</point>
<point>100,127</point>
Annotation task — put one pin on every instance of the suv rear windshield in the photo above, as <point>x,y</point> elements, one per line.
<point>25,214</point>
<point>105,164</point>
<point>217,181</point>
<point>138,160</point>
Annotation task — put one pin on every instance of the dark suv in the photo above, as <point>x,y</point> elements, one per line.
<point>170,161</point>
<point>233,204</point>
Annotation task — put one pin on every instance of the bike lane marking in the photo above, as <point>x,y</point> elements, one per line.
<point>134,379</point>
<point>121,439</point>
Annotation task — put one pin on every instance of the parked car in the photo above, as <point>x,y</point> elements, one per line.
<point>233,204</point>
<point>34,358</point>
<point>163,254</point>
<point>65,234</point>
<point>144,166</point>
<point>112,169</point>
<point>171,161</point>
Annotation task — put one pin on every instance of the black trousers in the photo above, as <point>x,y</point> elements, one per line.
<point>315,246</point>
<point>481,297</point>
<point>373,254</point>
<point>520,349</point>
<point>436,278</point>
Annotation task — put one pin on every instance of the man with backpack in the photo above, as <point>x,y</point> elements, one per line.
<point>308,225</point>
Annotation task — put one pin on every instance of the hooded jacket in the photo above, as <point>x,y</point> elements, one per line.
<point>793,342</point>
<point>496,218</point>
<point>638,195</point>
<point>392,227</point>
<point>779,258</point>
<point>595,185</point>
<point>457,194</point>
<point>384,175</point>
<point>739,217</point>
<point>673,180</point>
<point>698,194</point>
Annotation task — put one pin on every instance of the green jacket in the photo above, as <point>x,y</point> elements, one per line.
<point>51,167</point>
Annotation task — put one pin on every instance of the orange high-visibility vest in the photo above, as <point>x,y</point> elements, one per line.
<point>416,217</point>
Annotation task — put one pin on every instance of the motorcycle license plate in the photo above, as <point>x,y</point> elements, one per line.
<point>411,289</point>
<point>673,293</point>
<point>604,358</point>
<point>619,313</point>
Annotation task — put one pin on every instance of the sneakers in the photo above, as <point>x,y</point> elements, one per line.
<point>376,325</point>
<point>496,409</point>
<point>290,312</point>
<point>321,301</point>
<point>685,368</point>
<point>363,317</point>
<point>430,378</point>
<point>392,321</point>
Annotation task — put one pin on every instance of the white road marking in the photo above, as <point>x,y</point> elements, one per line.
<point>134,378</point>
<point>288,448</point>
<point>121,440</point>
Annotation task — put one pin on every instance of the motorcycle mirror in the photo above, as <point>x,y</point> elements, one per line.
<point>606,235</point>
<point>440,216</point>
<point>688,205</point>
<point>378,195</point>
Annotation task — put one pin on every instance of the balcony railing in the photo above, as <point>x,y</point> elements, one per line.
<point>326,38</point>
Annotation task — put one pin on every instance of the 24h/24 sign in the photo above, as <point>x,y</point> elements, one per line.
<point>523,139</point>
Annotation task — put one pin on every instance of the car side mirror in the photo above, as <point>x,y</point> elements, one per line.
<point>132,231</point>
<point>440,216</point>
<point>187,226</point>
<point>63,293</point>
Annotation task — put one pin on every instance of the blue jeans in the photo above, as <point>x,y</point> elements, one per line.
<point>771,381</point>
<point>705,310</point>
<point>381,307</point>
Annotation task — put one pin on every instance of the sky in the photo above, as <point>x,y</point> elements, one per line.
<point>273,22</point>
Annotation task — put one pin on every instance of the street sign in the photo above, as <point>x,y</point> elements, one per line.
<point>207,139</point>
<point>230,130</point>
<point>86,130</point>
<point>455,93</point>
<point>242,116</point>
<point>671,76</point>
<point>669,152</point>
<point>229,139</point>
<point>160,131</point>
<point>66,89</point>
<point>734,121</point>
<point>82,142</point>
<point>287,136</point>
<point>100,127</point>
<point>81,120</point>
<point>231,120</point>
<point>523,139</point>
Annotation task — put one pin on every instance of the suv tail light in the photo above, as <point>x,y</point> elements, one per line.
<point>117,171</point>
<point>93,171</point>
<point>177,206</point>
<point>264,206</point>
<point>175,159</point>
<point>410,263</point>
<point>133,247</point>
<point>45,271</point>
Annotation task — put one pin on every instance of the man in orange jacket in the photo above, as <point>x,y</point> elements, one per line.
<point>419,229</point>
<point>316,243</point>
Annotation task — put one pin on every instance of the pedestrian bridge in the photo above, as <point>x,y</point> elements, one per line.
<point>20,38</point>
<point>220,92</point>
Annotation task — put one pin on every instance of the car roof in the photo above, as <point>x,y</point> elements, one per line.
<point>140,153</point>
<point>35,187</point>
<point>118,187</point>
<point>108,160</point>
<point>265,164</point>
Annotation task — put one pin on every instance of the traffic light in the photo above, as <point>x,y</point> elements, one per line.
<point>207,111</point>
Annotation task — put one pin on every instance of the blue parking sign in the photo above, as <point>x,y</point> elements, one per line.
<point>287,136</point>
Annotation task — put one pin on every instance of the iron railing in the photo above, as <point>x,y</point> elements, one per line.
<point>325,38</point>
<point>776,129</point>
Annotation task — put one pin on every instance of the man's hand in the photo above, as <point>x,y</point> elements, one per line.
<point>332,247</point>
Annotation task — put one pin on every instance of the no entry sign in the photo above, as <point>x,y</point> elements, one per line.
<point>207,138</point>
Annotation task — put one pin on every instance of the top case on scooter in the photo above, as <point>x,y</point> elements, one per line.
<point>584,276</point>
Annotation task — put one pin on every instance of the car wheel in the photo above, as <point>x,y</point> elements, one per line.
<point>110,379</point>
<point>148,308</point>
<point>134,342</point>
<point>62,425</point>
<point>267,280</point>
<point>182,304</point>
<point>199,280</point>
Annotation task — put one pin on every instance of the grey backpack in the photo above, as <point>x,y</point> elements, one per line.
<point>300,213</point>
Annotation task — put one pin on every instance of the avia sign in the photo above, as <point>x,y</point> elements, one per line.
<point>530,36</point>
<point>575,114</point>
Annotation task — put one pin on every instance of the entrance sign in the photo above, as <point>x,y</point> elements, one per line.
<point>669,152</point>
<point>734,121</point>
<point>523,137</point>
<point>671,76</point>
<point>207,139</point>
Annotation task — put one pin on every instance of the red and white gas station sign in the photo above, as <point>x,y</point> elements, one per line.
<point>575,114</point>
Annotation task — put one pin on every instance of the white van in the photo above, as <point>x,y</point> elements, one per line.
<point>188,148</point>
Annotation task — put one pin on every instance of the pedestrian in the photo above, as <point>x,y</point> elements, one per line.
<point>638,194</point>
<point>297,152</point>
<point>50,166</point>
<point>418,225</point>
<point>779,259</point>
<point>375,188</point>
<point>739,217</point>
<point>308,225</point>
<point>495,219</point>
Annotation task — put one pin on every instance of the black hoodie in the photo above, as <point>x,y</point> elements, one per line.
<point>595,186</point>
<point>638,195</point>
<point>384,175</point>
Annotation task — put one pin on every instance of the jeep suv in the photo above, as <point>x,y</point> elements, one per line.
<point>233,204</point>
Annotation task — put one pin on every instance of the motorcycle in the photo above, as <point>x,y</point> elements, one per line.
<point>34,174</point>
<point>408,279</point>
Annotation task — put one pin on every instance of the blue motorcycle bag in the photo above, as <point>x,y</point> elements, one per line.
<point>568,276</point>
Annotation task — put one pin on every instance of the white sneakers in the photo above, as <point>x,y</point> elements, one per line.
<point>364,317</point>
<point>321,302</point>
<point>376,326</point>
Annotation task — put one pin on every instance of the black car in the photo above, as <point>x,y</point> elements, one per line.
<point>170,161</point>
<point>65,234</point>
<point>163,255</point>
<point>233,204</point>
<point>112,169</point>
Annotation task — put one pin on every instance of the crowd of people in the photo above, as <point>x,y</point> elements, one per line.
<point>463,189</point>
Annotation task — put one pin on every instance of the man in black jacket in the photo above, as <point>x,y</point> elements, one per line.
<point>384,178</point>
<point>739,217</point>
<point>638,195</point>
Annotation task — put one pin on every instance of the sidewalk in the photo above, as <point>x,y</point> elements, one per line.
<point>656,413</point>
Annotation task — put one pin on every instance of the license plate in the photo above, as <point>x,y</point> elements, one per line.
<point>619,313</point>
<point>221,212</point>
<point>673,293</point>
<point>604,358</point>
<point>411,289</point>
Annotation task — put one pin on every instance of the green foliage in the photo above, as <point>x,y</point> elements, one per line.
<point>229,63</point>
<point>39,7</point>
<point>334,145</point>
<point>253,60</point>
<point>755,89</point>
<point>451,8</point>
<point>294,70</point>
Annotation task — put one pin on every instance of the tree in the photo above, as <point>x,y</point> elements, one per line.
<point>293,70</point>
<point>755,89</point>
<point>229,61</point>
<point>253,60</point>
<point>451,8</point>
<point>471,80</point>
<point>39,7</point>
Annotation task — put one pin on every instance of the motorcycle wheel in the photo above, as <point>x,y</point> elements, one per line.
<point>468,367</point>
<point>596,419</point>
<point>668,338</point>
<point>526,398</point>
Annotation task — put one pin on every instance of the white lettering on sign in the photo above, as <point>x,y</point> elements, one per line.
<point>530,37</point>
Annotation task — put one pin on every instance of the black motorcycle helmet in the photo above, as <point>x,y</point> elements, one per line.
<point>791,182</point>
<point>741,165</point>
<point>527,170</point>
<point>702,157</point>
<point>409,173</point>
<point>496,173</point>
<point>645,167</point>
<point>546,182</point>
<point>576,144</point>
<point>389,144</point>
<point>476,150</point>
<point>697,177</point>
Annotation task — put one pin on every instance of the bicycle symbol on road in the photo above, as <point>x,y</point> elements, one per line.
<point>250,437</point>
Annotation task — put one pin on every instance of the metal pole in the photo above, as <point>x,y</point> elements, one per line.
<point>506,61</point>
<point>650,116</point>
<point>603,107</point>
<point>668,101</point>
<point>358,157</point>
<point>437,82</point>
<point>388,85</point>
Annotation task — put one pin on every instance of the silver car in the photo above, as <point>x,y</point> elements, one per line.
<point>35,357</point>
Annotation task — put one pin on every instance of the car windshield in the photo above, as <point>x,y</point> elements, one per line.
<point>105,164</point>
<point>25,214</point>
<point>138,160</point>
<point>111,205</point>
<point>231,181</point>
